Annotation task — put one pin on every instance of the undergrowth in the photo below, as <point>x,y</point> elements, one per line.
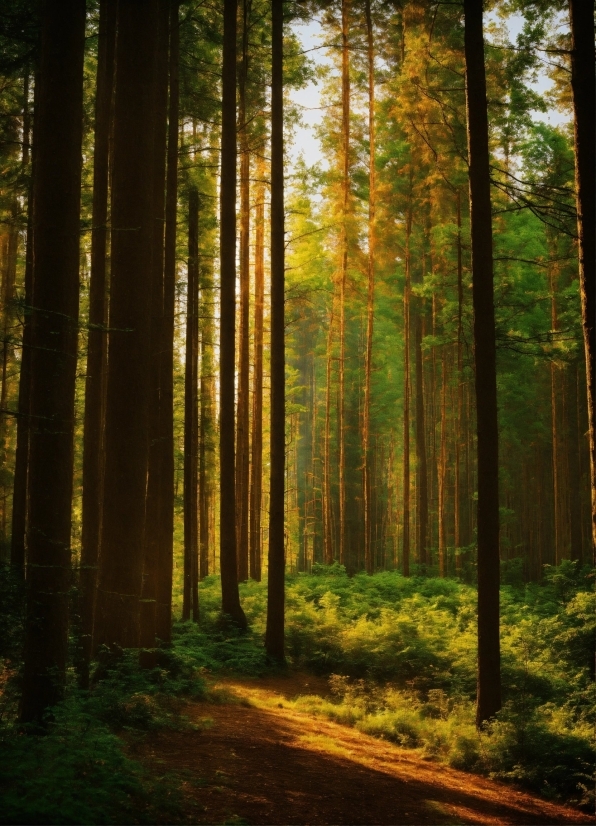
<point>77,771</point>
<point>401,657</point>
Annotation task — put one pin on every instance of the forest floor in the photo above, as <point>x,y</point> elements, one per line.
<point>249,759</point>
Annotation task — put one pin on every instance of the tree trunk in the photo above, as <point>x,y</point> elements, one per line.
<point>191,411</point>
<point>242,419</point>
<point>345,126</point>
<point>151,538</point>
<point>256,465</point>
<point>163,622</point>
<point>58,138</point>
<point>228,560</point>
<point>327,512</point>
<point>421,461</point>
<point>489,670</point>
<point>583,83</point>
<point>368,557</point>
<point>406,536</point>
<point>129,341</point>
<point>21,468</point>
<point>442,468</point>
<point>274,637</point>
<point>460,398</point>
<point>97,351</point>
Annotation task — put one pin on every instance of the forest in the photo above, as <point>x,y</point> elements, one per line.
<point>297,411</point>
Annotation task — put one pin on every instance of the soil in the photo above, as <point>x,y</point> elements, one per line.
<point>252,760</point>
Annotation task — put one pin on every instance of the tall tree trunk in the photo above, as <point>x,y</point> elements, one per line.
<point>97,351</point>
<point>128,384</point>
<point>368,558</point>
<point>151,538</point>
<point>242,418</point>
<point>191,409</point>
<point>227,528</point>
<point>206,434</point>
<point>327,508</point>
<point>163,622</point>
<point>489,669</point>
<point>554,427</point>
<point>21,469</point>
<point>460,396</point>
<point>421,460</point>
<point>343,275</point>
<point>58,137</point>
<point>442,468</point>
<point>256,465</point>
<point>583,84</point>
<point>274,636</point>
<point>406,536</point>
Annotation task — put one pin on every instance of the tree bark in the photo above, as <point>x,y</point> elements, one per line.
<point>274,636</point>
<point>21,469</point>
<point>97,351</point>
<point>191,411</point>
<point>128,383</point>
<point>58,137</point>
<point>228,559</point>
<point>345,127</point>
<point>256,466</point>
<point>368,557</point>
<point>242,418</point>
<point>163,623</point>
<point>406,535</point>
<point>151,538</point>
<point>583,85</point>
<point>489,670</point>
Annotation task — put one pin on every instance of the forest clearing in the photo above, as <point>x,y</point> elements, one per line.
<point>297,411</point>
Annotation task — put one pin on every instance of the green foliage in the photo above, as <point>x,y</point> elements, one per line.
<point>77,770</point>
<point>401,658</point>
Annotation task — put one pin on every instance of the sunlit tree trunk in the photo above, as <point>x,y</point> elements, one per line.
<point>343,274</point>
<point>274,636</point>
<point>227,531</point>
<point>327,512</point>
<point>242,417</point>
<point>191,411</point>
<point>406,492</point>
<point>489,669</point>
<point>421,454</point>
<point>368,559</point>
<point>442,467</point>
<point>97,351</point>
<point>460,398</point>
<point>256,466</point>
<point>58,138</point>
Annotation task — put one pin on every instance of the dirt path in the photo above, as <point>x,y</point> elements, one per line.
<point>254,761</point>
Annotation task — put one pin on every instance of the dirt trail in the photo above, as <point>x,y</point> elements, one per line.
<point>255,761</point>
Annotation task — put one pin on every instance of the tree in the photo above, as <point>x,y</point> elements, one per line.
<point>163,625</point>
<point>128,388</point>
<point>58,135</point>
<point>274,635</point>
<point>583,85</point>
<point>191,524</point>
<point>489,670</point>
<point>97,351</point>
<point>228,559</point>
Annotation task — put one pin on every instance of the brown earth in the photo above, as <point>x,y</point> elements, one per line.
<point>251,760</point>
